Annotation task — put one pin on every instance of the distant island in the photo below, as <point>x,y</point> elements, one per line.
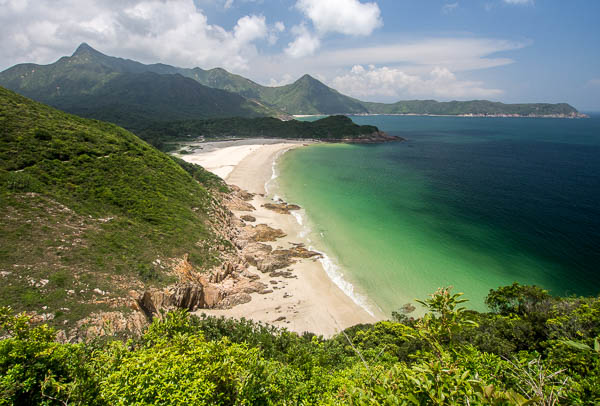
<point>475,108</point>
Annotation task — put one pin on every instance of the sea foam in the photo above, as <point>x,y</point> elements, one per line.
<point>332,269</point>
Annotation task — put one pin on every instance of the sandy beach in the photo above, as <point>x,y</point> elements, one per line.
<point>311,301</point>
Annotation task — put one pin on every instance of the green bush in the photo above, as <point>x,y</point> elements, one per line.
<point>35,369</point>
<point>438,359</point>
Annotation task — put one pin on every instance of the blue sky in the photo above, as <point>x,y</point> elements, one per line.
<point>385,50</point>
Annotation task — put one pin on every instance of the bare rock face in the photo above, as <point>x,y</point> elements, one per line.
<point>223,287</point>
<point>239,205</point>
<point>256,251</point>
<point>105,324</point>
<point>248,218</point>
<point>275,261</point>
<point>234,300</point>
<point>284,274</point>
<point>261,233</point>
<point>179,296</point>
<point>300,251</point>
<point>281,208</point>
<point>243,194</point>
<point>238,199</point>
<point>279,259</point>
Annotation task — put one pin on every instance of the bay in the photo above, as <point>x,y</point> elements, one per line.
<point>473,203</point>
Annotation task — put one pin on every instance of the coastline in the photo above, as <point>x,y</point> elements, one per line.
<point>311,300</point>
<point>465,115</point>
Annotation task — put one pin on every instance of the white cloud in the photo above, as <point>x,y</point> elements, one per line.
<point>449,7</point>
<point>392,83</point>
<point>457,54</point>
<point>286,79</point>
<point>250,28</point>
<point>279,26</point>
<point>416,59</point>
<point>176,32</point>
<point>350,17</point>
<point>274,32</point>
<point>306,43</point>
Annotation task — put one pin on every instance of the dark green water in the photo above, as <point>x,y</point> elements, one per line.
<point>470,202</point>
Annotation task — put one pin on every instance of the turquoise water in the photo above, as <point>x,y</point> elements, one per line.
<point>475,203</point>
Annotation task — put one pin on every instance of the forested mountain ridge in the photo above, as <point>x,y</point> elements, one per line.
<point>125,92</point>
<point>87,71</point>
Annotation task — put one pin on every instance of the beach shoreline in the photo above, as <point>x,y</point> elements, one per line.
<point>311,300</point>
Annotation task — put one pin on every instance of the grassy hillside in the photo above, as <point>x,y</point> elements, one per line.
<point>529,349</point>
<point>328,128</point>
<point>86,205</point>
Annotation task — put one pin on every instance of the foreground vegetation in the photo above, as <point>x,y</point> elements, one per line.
<point>530,349</point>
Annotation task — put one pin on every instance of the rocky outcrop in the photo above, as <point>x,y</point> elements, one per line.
<point>105,324</point>
<point>190,296</point>
<point>254,252</point>
<point>260,233</point>
<point>248,218</point>
<point>268,260</point>
<point>375,137</point>
<point>238,199</point>
<point>281,208</point>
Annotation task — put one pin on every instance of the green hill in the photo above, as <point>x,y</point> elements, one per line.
<point>309,96</point>
<point>86,205</point>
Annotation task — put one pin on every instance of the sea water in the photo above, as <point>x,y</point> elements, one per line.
<point>473,203</point>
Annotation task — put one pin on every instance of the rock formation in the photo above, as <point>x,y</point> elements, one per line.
<point>282,207</point>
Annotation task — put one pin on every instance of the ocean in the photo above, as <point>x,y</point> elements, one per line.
<point>473,203</point>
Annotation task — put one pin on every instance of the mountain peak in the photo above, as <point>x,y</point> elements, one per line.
<point>307,78</point>
<point>84,48</point>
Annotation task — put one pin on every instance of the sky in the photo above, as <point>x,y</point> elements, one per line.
<point>378,50</point>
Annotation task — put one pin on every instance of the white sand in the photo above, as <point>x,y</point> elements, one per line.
<point>311,302</point>
<point>222,161</point>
